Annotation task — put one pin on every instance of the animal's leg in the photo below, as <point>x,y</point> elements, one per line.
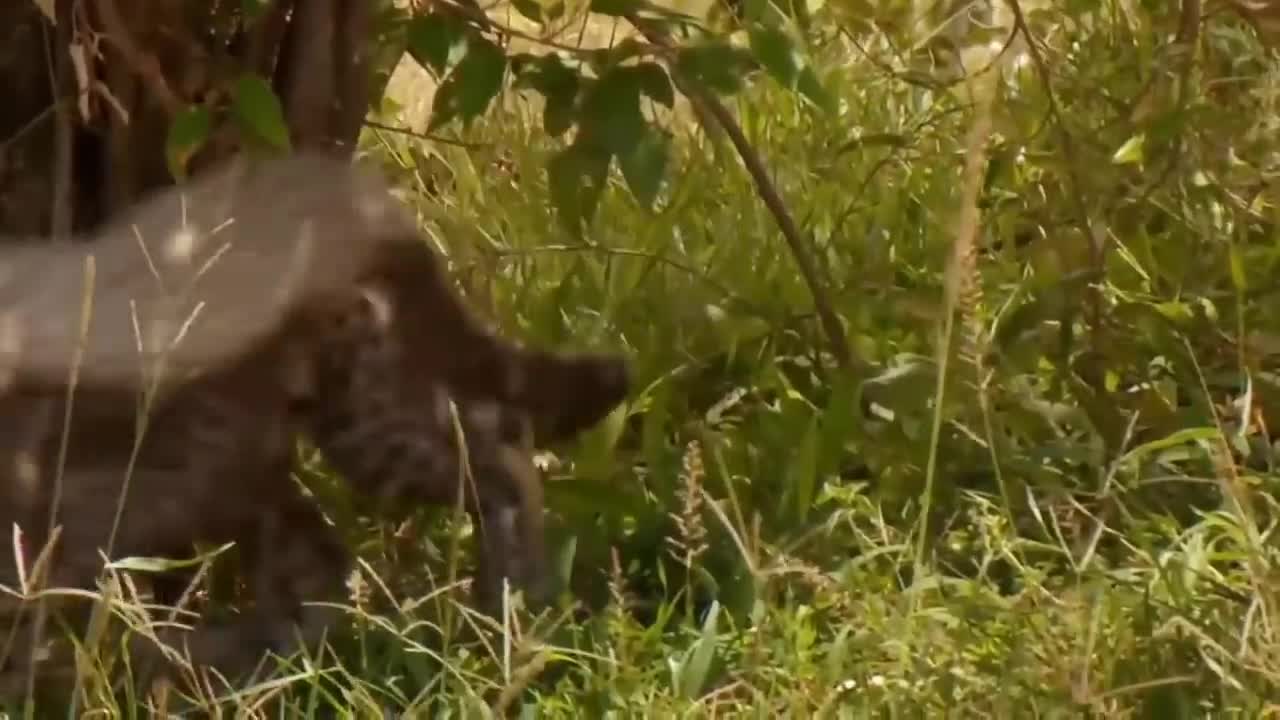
<point>292,558</point>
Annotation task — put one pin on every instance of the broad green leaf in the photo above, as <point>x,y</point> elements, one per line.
<point>610,116</point>
<point>802,471</point>
<point>437,41</point>
<point>564,556</point>
<point>577,176</point>
<point>258,111</point>
<point>558,115</point>
<point>529,8</point>
<point>716,65</point>
<point>558,84</point>
<point>187,134</point>
<point>655,83</point>
<point>1180,437</point>
<point>471,85</point>
<point>597,457</point>
<point>643,168</point>
<point>778,53</point>
<point>694,671</point>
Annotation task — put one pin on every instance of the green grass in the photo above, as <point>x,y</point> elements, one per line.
<point>740,540</point>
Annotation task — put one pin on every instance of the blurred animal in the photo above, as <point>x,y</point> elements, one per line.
<point>231,315</point>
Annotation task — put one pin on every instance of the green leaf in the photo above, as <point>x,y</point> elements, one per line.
<point>252,9</point>
<point>716,65</point>
<point>187,134</point>
<point>437,41</point>
<point>644,166</point>
<point>529,9</point>
<point>811,87</point>
<point>557,115</point>
<point>655,83</point>
<point>577,176</point>
<point>558,84</point>
<point>610,114</point>
<point>471,85</point>
<point>1179,437</point>
<point>696,668</point>
<point>803,471</point>
<point>779,55</point>
<point>597,456</point>
<point>775,51</point>
<point>258,110</point>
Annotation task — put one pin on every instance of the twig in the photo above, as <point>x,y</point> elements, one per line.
<point>481,18</point>
<point>705,104</point>
<point>659,258</point>
<point>143,64</point>
<point>426,136</point>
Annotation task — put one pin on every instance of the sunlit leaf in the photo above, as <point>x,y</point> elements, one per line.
<point>187,134</point>
<point>471,85</point>
<point>259,112</point>
<point>437,41</point>
<point>1131,152</point>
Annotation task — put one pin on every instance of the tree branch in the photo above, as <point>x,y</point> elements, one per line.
<point>710,109</point>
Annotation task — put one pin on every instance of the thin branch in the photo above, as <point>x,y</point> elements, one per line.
<point>707,106</point>
<point>481,18</point>
<point>716,285</point>
<point>143,64</point>
<point>426,136</point>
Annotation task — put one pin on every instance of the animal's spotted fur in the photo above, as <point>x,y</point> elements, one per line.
<point>213,465</point>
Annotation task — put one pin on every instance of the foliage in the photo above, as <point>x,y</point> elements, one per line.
<point>743,534</point>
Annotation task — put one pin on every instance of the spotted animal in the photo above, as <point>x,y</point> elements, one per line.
<point>234,368</point>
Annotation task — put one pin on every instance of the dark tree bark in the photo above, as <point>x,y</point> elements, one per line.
<point>26,121</point>
<point>69,164</point>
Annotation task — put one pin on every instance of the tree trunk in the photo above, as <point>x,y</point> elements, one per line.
<point>66,166</point>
